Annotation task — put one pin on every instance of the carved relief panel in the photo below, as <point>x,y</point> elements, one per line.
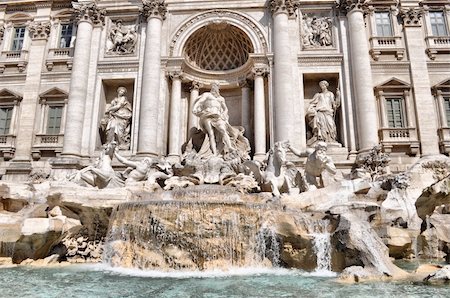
<point>316,30</point>
<point>122,37</point>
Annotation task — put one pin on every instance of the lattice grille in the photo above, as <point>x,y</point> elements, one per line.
<point>218,47</point>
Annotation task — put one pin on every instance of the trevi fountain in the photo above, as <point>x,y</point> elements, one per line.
<point>217,214</point>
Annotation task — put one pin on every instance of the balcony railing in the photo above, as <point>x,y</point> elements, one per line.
<point>13,58</point>
<point>397,137</point>
<point>7,146</point>
<point>48,141</point>
<point>436,45</point>
<point>59,56</point>
<point>444,139</point>
<point>386,44</point>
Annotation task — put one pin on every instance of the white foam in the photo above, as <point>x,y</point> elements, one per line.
<point>181,274</point>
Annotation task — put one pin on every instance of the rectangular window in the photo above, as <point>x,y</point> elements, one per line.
<point>65,36</point>
<point>5,120</point>
<point>54,120</point>
<point>18,38</point>
<point>383,22</point>
<point>438,25</point>
<point>394,112</point>
<point>447,109</point>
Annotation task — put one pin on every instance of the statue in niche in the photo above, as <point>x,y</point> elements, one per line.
<point>116,124</point>
<point>316,32</point>
<point>320,115</point>
<point>122,39</point>
<point>317,163</point>
<point>222,139</point>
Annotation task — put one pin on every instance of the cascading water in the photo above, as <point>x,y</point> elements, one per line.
<point>322,244</point>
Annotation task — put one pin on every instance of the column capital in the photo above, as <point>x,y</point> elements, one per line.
<point>175,74</point>
<point>412,17</point>
<point>39,30</point>
<point>196,85</point>
<point>244,83</point>
<point>353,5</point>
<point>284,6</point>
<point>154,9</point>
<point>260,70</point>
<point>89,12</point>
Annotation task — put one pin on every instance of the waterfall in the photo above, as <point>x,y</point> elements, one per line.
<point>322,244</point>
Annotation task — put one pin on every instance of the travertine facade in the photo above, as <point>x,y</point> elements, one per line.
<point>387,63</point>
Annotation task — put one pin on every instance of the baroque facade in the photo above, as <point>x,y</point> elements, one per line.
<point>77,75</point>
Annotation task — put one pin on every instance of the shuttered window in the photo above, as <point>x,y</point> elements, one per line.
<point>54,120</point>
<point>5,120</point>
<point>18,38</point>
<point>394,112</point>
<point>438,25</point>
<point>383,22</point>
<point>447,109</point>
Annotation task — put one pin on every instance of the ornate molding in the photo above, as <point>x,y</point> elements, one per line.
<point>284,6</point>
<point>260,70</point>
<point>154,9</point>
<point>175,74</point>
<point>214,15</point>
<point>196,85</point>
<point>412,17</point>
<point>39,30</point>
<point>89,12</point>
<point>244,83</point>
<point>350,5</point>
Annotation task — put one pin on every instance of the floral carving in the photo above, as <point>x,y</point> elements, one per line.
<point>289,6</point>
<point>349,5</point>
<point>412,16</point>
<point>39,30</point>
<point>154,8</point>
<point>89,12</point>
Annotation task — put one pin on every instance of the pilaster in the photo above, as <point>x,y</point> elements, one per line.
<point>175,115</point>
<point>259,73</point>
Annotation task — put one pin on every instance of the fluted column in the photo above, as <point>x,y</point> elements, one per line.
<point>195,88</point>
<point>154,11</point>
<point>420,81</point>
<point>175,115</point>
<point>259,116</point>
<point>367,124</point>
<point>39,32</point>
<point>245,106</point>
<point>87,15</point>
<point>283,79</point>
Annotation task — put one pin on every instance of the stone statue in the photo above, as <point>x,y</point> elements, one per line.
<point>122,39</point>
<point>320,115</point>
<point>148,169</point>
<point>316,32</point>
<point>223,138</point>
<point>315,165</point>
<point>275,174</point>
<point>101,174</point>
<point>116,124</point>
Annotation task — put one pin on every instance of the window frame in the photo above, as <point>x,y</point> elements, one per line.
<point>10,107</point>
<point>69,42</point>
<point>402,110</point>
<point>444,23</point>
<point>389,18</point>
<point>14,38</point>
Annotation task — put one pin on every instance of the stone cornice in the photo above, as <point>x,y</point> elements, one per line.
<point>89,12</point>
<point>39,30</point>
<point>154,9</point>
<point>284,6</point>
<point>350,5</point>
<point>412,17</point>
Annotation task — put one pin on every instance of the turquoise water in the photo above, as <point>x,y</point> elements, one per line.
<point>101,281</point>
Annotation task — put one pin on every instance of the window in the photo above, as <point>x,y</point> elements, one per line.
<point>18,38</point>
<point>5,119</point>
<point>438,25</point>
<point>394,112</point>
<point>65,36</point>
<point>383,23</point>
<point>447,109</point>
<point>54,120</point>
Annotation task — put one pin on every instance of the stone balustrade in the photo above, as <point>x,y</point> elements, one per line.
<point>437,45</point>
<point>59,56</point>
<point>13,58</point>
<point>7,146</point>
<point>399,136</point>
<point>386,44</point>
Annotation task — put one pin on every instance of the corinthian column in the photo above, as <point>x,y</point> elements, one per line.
<point>154,11</point>
<point>195,88</point>
<point>175,115</point>
<point>87,15</point>
<point>415,44</point>
<point>282,79</point>
<point>366,118</point>
<point>39,32</point>
<point>260,111</point>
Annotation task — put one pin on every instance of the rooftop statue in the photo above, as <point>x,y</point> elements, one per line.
<point>320,115</point>
<point>116,124</point>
